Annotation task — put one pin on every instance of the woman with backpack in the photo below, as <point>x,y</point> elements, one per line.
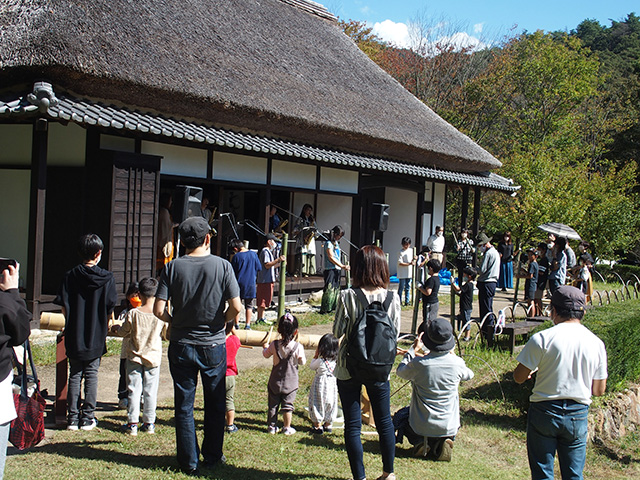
<point>367,309</point>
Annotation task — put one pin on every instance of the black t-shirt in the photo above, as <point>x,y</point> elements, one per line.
<point>543,272</point>
<point>432,283</point>
<point>531,284</point>
<point>198,287</point>
<point>466,297</point>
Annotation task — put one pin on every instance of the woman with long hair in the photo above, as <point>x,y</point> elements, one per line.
<point>505,249</point>
<point>371,275</point>
<point>305,235</point>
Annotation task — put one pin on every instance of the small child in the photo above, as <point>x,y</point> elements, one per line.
<point>405,269</point>
<point>132,301</point>
<point>466,300</point>
<point>233,345</point>
<point>144,331</point>
<point>323,395</point>
<point>246,266</point>
<point>429,291</point>
<point>583,281</point>
<point>531,282</point>
<point>283,381</point>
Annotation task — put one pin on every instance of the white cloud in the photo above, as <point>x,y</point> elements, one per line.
<point>460,40</point>
<point>394,33</point>
<point>477,28</point>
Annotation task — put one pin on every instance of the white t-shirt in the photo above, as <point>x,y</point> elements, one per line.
<point>436,243</point>
<point>568,358</point>
<point>406,256</point>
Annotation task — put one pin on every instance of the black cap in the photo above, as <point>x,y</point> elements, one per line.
<point>438,336</point>
<point>193,230</point>
<point>570,298</point>
<point>271,236</point>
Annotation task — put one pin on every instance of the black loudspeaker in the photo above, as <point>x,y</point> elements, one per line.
<point>186,202</point>
<point>379,217</point>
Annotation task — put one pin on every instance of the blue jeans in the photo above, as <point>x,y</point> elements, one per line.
<point>379,396</point>
<point>185,362</point>
<point>78,370</point>
<point>404,286</point>
<point>558,425</point>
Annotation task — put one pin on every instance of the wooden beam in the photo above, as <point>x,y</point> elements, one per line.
<point>36,215</point>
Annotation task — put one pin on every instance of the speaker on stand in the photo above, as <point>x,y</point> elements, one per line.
<point>378,218</point>
<point>186,203</point>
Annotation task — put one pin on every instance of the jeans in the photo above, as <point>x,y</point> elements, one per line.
<point>4,442</point>
<point>404,287</point>
<point>486,292</point>
<point>379,396</point>
<point>79,369</point>
<point>185,362</point>
<point>143,381</point>
<point>558,425</point>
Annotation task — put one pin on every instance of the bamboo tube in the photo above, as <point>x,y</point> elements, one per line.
<point>255,338</point>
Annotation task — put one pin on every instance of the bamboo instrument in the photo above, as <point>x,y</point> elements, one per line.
<point>255,338</point>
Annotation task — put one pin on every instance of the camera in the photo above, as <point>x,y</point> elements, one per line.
<point>5,262</point>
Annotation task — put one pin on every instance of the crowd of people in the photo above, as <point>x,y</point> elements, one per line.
<point>207,294</point>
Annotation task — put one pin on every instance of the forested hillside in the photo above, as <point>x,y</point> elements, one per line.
<point>560,110</point>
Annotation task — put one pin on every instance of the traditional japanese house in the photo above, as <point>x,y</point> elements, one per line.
<point>105,104</point>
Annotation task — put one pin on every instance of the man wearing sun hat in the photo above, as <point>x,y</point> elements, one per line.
<point>571,365</point>
<point>200,286</point>
<point>434,413</point>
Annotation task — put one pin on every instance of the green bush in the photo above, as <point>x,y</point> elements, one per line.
<point>618,325</point>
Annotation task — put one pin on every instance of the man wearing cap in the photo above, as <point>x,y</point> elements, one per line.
<point>199,285</point>
<point>267,276</point>
<point>571,365</point>
<point>487,282</point>
<point>434,413</point>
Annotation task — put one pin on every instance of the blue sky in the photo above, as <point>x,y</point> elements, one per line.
<point>480,20</point>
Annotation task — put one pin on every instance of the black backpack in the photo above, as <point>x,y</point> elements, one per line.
<point>372,342</point>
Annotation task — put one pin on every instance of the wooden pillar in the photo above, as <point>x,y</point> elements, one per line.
<point>476,219</point>
<point>36,216</point>
<point>464,217</point>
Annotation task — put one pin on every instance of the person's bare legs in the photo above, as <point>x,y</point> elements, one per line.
<point>261,313</point>
<point>231,416</point>
<point>286,419</point>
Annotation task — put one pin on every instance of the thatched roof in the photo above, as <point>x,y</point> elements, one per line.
<point>263,66</point>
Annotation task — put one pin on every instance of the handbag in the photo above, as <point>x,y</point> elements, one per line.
<point>27,429</point>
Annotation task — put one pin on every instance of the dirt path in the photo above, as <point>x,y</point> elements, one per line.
<point>247,358</point>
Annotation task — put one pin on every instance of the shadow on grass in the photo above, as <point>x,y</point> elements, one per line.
<point>101,451</point>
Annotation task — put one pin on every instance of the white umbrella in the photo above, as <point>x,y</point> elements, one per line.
<point>560,230</point>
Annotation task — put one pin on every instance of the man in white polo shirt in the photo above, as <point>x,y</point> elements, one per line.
<point>571,365</point>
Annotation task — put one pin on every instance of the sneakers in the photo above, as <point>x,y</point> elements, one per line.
<point>289,430</point>
<point>272,430</point>
<point>317,430</point>
<point>72,425</point>
<point>149,428</point>
<point>88,425</point>
<point>262,321</point>
<point>231,428</point>
<point>248,326</point>
<point>130,429</point>
<point>447,450</point>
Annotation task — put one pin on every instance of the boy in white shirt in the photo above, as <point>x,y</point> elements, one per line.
<point>406,261</point>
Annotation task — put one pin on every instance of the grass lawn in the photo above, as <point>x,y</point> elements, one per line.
<point>490,444</point>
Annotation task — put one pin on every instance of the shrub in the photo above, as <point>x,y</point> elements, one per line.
<point>618,325</point>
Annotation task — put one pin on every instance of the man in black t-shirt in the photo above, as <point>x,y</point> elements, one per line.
<point>199,286</point>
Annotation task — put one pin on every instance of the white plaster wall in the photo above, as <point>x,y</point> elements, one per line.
<point>403,208</point>
<point>239,168</point>
<point>14,217</point>
<point>335,180</point>
<point>289,174</point>
<point>119,144</point>
<point>66,145</point>
<point>439,191</point>
<point>16,144</point>
<point>178,160</point>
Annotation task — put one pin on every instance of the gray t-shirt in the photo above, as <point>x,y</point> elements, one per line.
<point>266,275</point>
<point>198,288</point>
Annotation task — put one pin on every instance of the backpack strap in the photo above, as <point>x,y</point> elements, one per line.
<point>388,300</point>
<point>362,298</point>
